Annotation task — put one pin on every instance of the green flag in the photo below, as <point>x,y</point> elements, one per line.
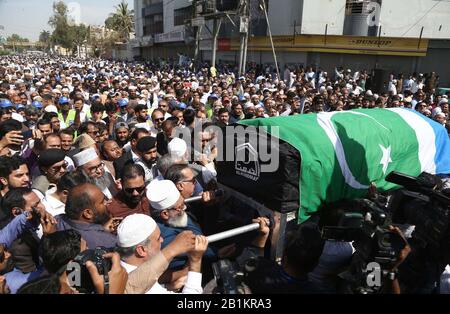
<point>343,152</point>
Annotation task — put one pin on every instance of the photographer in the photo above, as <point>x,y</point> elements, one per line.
<point>139,239</point>
<point>24,249</point>
<point>58,250</point>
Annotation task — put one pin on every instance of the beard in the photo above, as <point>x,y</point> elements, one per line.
<point>132,201</point>
<point>101,218</point>
<point>102,183</point>
<point>178,221</point>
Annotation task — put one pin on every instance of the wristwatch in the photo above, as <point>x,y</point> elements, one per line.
<point>392,275</point>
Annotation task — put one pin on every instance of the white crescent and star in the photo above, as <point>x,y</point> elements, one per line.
<point>324,120</point>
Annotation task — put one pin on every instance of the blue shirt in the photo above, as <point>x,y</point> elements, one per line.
<point>16,279</point>
<point>94,234</point>
<point>169,234</point>
<point>14,229</point>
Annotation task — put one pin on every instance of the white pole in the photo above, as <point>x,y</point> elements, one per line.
<point>233,232</point>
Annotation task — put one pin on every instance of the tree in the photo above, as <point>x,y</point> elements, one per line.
<point>79,35</point>
<point>58,21</point>
<point>15,39</point>
<point>121,21</point>
<point>45,39</point>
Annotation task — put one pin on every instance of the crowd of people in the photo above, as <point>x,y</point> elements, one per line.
<point>90,157</point>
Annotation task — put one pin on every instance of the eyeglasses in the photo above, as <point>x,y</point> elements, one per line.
<point>131,190</point>
<point>193,180</point>
<point>58,168</point>
<point>99,167</point>
<point>178,209</point>
<point>159,119</point>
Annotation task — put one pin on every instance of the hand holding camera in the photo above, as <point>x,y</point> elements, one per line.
<point>114,281</point>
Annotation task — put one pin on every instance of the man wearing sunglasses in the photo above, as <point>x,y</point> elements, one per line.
<point>53,166</point>
<point>157,119</point>
<point>131,199</point>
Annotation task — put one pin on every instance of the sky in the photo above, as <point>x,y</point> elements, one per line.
<point>29,17</point>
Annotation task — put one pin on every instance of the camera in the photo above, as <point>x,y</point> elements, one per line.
<point>103,267</point>
<point>423,203</point>
<point>366,225</point>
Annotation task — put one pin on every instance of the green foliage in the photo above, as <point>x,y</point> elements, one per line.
<point>58,21</point>
<point>121,21</point>
<point>16,39</point>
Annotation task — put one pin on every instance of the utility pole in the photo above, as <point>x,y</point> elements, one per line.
<point>264,7</point>
<point>198,30</point>
<point>244,12</point>
<point>216,29</point>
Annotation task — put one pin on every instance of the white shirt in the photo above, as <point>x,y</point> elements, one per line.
<point>193,283</point>
<point>445,281</point>
<point>54,206</point>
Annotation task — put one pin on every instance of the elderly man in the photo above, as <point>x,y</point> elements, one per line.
<point>185,179</point>
<point>131,199</point>
<point>93,169</point>
<point>169,211</point>
<point>87,212</point>
<point>139,239</point>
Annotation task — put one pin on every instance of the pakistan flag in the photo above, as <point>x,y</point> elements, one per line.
<point>343,152</point>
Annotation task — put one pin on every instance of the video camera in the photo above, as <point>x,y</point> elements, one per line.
<point>103,267</point>
<point>366,224</point>
<point>424,204</point>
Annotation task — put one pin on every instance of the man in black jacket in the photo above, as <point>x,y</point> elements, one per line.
<point>132,155</point>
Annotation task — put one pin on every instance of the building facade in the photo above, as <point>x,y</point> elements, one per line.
<point>400,36</point>
<point>160,28</point>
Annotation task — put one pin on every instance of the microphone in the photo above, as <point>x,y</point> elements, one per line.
<point>217,193</point>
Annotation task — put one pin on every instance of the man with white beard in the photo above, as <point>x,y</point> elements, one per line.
<point>169,211</point>
<point>93,169</point>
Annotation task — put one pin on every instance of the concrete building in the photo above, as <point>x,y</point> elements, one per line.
<point>160,28</point>
<point>400,36</point>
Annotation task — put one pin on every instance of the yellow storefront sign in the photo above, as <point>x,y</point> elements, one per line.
<point>414,47</point>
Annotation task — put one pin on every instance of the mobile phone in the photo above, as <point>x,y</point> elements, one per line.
<point>27,134</point>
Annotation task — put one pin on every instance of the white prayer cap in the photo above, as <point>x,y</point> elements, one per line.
<point>142,102</point>
<point>51,108</point>
<point>249,105</point>
<point>132,87</point>
<point>443,101</point>
<point>177,147</point>
<point>135,229</point>
<point>162,194</point>
<point>369,93</point>
<point>143,126</point>
<point>322,89</point>
<point>85,156</point>
<point>246,95</point>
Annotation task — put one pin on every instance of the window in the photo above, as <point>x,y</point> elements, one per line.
<point>183,14</point>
